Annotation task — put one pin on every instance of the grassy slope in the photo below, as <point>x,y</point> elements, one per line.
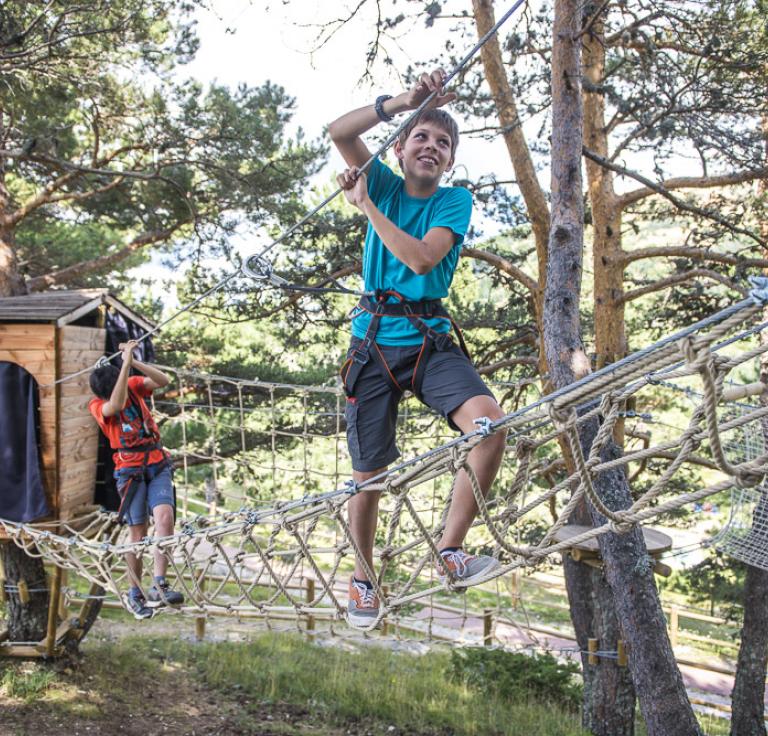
<point>272,685</point>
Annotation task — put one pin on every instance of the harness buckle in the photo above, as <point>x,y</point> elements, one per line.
<point>441,340</point>
<point>361,354</point>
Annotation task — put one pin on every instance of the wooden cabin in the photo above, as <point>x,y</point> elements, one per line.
<point>53,334</point>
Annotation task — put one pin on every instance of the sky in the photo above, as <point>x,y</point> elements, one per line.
<point>254,41</point>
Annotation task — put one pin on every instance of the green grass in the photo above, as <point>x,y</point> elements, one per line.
<point>368,686</point>
<point>26,681</point>
<point>403,690</point>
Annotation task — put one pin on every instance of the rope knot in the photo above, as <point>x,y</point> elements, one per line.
<point>458,459</point>
<point>561,418</point>
<point>696,358</point>
<point>525,446</point>
<point>748,477</point>
<point>621,525</point>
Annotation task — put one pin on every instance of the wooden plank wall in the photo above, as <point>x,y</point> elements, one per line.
<point>32,346</point>
<point>79,347</point>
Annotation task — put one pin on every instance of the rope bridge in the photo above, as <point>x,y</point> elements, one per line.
<point>248,554</point>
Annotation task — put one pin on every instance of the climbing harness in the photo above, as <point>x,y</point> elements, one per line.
<point>139,474</point>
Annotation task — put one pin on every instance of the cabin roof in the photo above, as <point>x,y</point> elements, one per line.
<point>62,307</point>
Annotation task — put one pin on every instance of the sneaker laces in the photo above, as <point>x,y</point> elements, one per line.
<point>458,558</point>
<point>367,595</point>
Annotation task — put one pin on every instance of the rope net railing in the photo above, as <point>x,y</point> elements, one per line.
<point>266,464</point>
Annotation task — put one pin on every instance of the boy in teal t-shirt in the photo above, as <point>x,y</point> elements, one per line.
<point>400,337</point>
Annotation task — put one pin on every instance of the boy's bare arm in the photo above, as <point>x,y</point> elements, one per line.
<point>421,256</point>
<point>153,376</point>
<point>119,396</point>
<point>345,132</point>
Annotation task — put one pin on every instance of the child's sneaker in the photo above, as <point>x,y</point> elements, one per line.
<point>137,605</point>
<point>363,606</point>
<point>162,595</point>
<point>466,568</point>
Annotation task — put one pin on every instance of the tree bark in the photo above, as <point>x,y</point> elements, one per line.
<point>748,695</point>
<point>25,622</point>
<point>608,264</point>
<point>628,568</point>
<point>608,707</point>
<point>517,147</point>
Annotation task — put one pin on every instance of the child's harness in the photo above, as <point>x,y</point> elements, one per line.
<point>415,313</point>
<point>138,475</point>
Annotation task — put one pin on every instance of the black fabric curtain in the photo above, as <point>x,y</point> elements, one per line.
<point>119,329</point>
<point>22,494</point>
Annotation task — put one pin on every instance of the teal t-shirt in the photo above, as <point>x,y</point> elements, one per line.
<point>449,207</point>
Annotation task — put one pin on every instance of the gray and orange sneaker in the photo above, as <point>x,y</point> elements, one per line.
<point>465,568</point>
<point>160,594</point>
<point>137,605</point>
<point>363,605</point>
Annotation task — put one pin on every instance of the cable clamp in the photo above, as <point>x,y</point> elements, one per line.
<point>759,293</point>
<point>351,487</point>
<point>484,425</point>
<point>260,269</point>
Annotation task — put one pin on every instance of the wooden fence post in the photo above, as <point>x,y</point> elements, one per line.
<point>53,610</point>
<point>200,620</point>
<point>674,625</point>
<point>487,627</point>
<point>309,596</point>
<point>384,624</point>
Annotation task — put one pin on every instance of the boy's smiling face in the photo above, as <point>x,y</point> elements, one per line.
<point>426,154</point>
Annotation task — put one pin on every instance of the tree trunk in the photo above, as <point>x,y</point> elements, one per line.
<point>519,153</point>
<point>628,568</point>
<point>608,266</point>
<point>748,696</point>
<point>608,708</point>
<point>25,622</point>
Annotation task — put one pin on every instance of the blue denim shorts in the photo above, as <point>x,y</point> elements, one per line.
<point>156,490</point>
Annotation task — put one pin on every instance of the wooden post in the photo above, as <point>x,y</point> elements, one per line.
<point>62,598</point>
<point>592,649</point>
<point>514,590</point>
<point>200,620</point>
<point>622,652</point>
<point>309,596</point>
<point>384,624</point>
<point>53,609</point>
<point>23,592</point>
<point>487,627</point>
<point>674,624</point>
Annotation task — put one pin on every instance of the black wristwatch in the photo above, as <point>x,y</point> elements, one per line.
<point>379,107</point>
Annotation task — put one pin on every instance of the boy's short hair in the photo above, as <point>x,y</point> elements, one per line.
<point>103,380</point>
<point>438,117</point>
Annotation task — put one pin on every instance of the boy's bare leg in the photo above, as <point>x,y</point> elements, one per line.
<point>163,516</point>
<point>363,515</point>
<point>485,459</point>
<point>136,532</point>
